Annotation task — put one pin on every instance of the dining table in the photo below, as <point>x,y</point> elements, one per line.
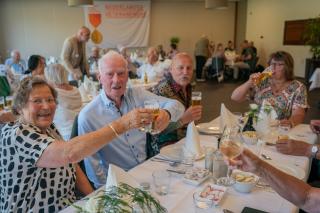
<point>180,196</point>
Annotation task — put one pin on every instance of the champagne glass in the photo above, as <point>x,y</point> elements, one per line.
<point>231,147</point>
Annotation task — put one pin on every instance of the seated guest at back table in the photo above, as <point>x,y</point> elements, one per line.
<point>93,62</point>
<point>127,150</point>
<point>286,95</point>
<point>36,65</point>
<point>173,50</point>
<point>294,190</point>
<point>230,46</point>
<point>132,69</point>
<point>69,99</point>
<point>38,170</point>
<point>176,85</point>
<point>246,61</point>
<point>218,53</point>
<point>152,68</point>
<point>162,54</point>
<point>16,63</point>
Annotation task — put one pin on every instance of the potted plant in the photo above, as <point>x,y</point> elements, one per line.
<point>174,40</point>
<point>312,36</point>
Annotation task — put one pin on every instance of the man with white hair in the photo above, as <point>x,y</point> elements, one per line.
<point>73,55</point>
<point>17,64</point>
<point>115,100</point>
<point>152,68</point>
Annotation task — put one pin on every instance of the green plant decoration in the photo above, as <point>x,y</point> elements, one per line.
<point>122,199</point>
<point>311,36</point>
<point>174,40</point>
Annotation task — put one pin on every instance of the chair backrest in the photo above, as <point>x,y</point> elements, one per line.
<point>217,63</point>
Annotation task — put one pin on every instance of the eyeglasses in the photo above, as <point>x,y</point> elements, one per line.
<point>39,101</point>
<point>277,64</point>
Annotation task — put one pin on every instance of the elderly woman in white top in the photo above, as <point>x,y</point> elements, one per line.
<point>69,99</point>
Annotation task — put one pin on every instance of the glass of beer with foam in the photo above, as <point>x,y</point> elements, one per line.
<point>196,98</point>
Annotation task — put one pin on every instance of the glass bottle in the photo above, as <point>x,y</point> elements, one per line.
<point>145,78</point>
<point>249,125</point>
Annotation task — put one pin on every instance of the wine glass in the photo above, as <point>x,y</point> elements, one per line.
<point>231,147</point>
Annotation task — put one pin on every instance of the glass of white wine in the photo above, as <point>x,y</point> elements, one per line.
<point>154,105</point>
<point>231,147</point>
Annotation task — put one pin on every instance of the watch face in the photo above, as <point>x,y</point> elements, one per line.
<point>314,149</point>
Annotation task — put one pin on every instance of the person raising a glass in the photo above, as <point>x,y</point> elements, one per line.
<point>287,96</point>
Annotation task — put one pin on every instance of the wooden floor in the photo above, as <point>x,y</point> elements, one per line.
<point>214,93</point>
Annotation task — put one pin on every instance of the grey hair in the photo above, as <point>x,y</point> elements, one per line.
<point>13,52</point>
<point>21,96</point>
<point>111,55</point>
<point>57,74</point>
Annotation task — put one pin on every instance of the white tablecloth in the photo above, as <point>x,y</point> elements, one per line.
<point>315,79</point>
<point>180,197</point>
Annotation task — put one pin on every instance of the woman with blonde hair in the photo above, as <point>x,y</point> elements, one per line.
<point>69,99</point>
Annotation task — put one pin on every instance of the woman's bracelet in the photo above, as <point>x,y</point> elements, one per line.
<point>113,130</point>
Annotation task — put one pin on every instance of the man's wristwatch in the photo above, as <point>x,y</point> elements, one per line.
<point>314,151</point>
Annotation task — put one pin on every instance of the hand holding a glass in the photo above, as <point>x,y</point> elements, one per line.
<point>193,113</point>
<point>137,118</point>
<point>231,147</point>
<point>257,78</point>
<point>160,117</point>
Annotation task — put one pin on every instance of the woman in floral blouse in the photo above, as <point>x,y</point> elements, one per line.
<point>286,95</point>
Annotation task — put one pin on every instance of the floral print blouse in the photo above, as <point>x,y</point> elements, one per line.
<point>291,97</point>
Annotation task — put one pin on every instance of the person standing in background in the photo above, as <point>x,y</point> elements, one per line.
<point>73,55</point>
<point>201,52</point>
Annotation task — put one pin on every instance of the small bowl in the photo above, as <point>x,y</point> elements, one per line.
<point>244,181</point>
<point>250,137</point>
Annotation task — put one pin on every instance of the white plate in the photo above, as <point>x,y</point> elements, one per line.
<point>175,152</point>
<point>208,128</point>
<point>212,192</point>
<point>291,170</point>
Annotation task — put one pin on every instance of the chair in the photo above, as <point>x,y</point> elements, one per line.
<point>252,67</point>
<point>216,69</point>
<point>74,133</point>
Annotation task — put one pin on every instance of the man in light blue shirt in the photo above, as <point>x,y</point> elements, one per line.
<point>115,100</point>
<point>17,64</point>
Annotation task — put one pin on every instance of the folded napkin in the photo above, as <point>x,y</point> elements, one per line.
<point>227,118</point>
<point>267,116</point>
<point>192,144</point>
<point>83,93</point>
<point>117,175</point>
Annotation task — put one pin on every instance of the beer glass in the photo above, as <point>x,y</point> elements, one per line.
<point>154,105</point>
<point>196,98</point>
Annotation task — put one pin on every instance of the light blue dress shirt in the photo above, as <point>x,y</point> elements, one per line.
<point>19,68</point>
<point>130,149</point>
